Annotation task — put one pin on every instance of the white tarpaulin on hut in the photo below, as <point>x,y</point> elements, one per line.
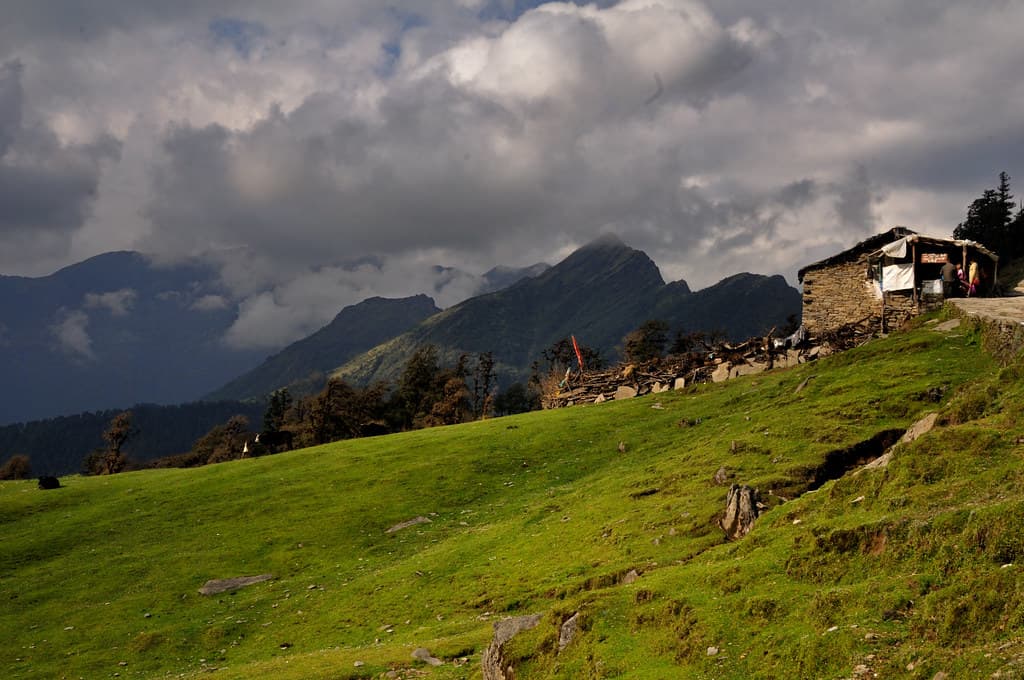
<point>898,277</point>
<point>897,249</point>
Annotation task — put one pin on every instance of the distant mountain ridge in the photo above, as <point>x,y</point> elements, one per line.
<point>598,293</point>
<point>111,331</point>
<point>356,329</point>
<point>120,329</point>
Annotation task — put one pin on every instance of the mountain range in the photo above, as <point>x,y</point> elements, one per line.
<point>118,329</point>
<point>598,294</point>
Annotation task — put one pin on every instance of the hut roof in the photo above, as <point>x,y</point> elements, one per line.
<point>868,245</point>
<point>938,242</point>
<point>873,246</point>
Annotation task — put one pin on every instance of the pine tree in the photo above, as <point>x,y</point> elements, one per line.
<point>990,221</point>
<point>274,417</point>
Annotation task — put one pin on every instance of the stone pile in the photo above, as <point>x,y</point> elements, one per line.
<point>719,362</point>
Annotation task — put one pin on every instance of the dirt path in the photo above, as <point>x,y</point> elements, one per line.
<point>1003,316</point>
<point>1003,309</point>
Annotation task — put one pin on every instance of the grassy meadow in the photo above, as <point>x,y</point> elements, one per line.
<point>903,571</point>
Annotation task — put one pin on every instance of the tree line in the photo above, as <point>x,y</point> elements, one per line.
<point>427,394</point>
<point>991,221</point>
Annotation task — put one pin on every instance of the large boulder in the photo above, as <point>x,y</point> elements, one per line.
<point>493,662</point>
<point>742,506</point>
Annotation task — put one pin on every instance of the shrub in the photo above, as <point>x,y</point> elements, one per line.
<point>16,467</point>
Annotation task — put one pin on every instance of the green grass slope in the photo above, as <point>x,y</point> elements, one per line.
<point>903,571</point>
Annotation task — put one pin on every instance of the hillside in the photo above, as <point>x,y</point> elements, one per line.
<point>599,294</point>
<point>907,570</point>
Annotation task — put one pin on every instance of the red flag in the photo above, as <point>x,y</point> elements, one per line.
<point>579,356</point>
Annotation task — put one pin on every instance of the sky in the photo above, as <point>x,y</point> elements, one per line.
<point>322,151</point>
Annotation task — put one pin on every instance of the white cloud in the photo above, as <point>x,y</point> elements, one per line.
<point>118,302</point>
<point>210,303</point>
<point>71,331</point>
<point>308,301</point>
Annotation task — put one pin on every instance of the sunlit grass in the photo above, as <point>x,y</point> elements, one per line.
<point>541,513</point>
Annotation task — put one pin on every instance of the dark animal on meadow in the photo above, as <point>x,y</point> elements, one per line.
<point>47,482</point>
<point>280,440</point>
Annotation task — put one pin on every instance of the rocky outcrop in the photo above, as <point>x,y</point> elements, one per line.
<point>493,662</point>
<point>221,585</point>
<point>742,506</point>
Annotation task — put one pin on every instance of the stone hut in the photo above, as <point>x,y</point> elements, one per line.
<point>885,279</point>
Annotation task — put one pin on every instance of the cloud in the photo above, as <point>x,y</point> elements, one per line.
<point>210,303</point>
<point>718,137</point>
<point>46,187</point>
<point>118,302</point>
<point>309,300</point>
<point>536,134</point>
<point>71,331</point>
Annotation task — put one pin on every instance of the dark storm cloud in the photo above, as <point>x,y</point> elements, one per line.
<point>45,186</point>
<point>855,202</point>
<point>460,160</point>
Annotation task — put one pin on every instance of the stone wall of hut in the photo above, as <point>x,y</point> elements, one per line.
<point>840,294</point>
<point>899,306</point>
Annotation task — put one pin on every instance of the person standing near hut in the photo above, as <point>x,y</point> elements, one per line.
<point>948,279</point>
<point>961,280</point>
<point>972,278</point>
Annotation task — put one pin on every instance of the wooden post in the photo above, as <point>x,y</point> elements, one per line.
<point>913,265</point>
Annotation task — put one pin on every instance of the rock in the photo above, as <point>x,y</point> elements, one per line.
<point>632,576</point>
<point>600,399</point>
<point>712,651</point>
<point>748,369</point>
<point>423,654</point>
<point>568,631</point>
<point>721,373</point>
<point>625,392</point>
<point>921,427</point>
<point>216,586</point>
<point>408,523</point>
<point>879,462</point>
<point>493,663</point>
<point>947,326</point>
<point>941,675</point>
<point>359,664</point>
<point>622,447</point>
<point>741,509</point>
<point>679,384</point>
<point>721,476</point>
